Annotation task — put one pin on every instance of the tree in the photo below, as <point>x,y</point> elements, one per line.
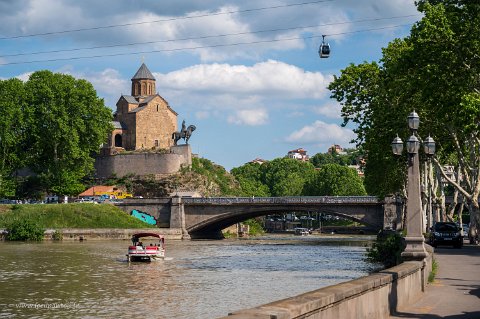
<point>350,156</point>
<point>12,133</point>
<point>335,180</point>
<point>67,123</point>
<point>250,177</point>
<point>287,176</point>
<point>436,71</point>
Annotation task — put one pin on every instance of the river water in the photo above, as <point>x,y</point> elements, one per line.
<point>201,279</point>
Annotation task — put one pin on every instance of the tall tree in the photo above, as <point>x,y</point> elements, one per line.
<point>12,133</point>
<point>250,177</point>
<point>335,180</point>
<point>436,71</point>
<point>67,123</point>
<point>287,176</point>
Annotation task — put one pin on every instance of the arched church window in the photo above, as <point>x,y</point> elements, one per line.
<point>144,89</point>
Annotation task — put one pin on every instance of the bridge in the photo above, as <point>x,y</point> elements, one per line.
<point>205,217</point>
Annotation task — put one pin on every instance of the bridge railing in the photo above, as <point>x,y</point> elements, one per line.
<point>282,200</point>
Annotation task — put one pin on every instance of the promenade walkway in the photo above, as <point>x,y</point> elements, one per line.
<point>455,293</point>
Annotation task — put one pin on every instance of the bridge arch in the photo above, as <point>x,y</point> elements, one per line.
<point>207,219</point>
<point>212,227</point>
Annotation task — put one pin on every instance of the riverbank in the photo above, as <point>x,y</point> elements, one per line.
<point>67,216</point>
<point>82,234</point>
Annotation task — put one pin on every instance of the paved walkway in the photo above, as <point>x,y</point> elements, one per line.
<point>455,293</point>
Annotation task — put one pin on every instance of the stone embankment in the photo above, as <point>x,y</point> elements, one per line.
<point>106,233</point>
<point>373,297</point>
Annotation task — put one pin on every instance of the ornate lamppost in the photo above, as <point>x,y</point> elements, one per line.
<point>415,249</point>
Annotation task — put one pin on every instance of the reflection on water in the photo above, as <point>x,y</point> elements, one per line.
<point>204,279</point>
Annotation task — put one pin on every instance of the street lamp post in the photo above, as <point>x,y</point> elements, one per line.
<point>415,249</point>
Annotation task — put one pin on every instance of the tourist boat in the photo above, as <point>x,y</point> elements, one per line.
<point>142,251</point>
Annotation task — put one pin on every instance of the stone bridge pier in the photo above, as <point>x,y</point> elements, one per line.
<point>206,217</point>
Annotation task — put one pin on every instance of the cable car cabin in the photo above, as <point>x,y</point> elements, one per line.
<point>324,50</point>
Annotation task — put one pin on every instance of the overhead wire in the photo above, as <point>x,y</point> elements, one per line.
<point>164,20</point>
<point>202,47</point>
<point>207,36</point>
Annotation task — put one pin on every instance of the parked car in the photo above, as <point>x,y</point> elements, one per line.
<point>466,228</point>
<point>446,233</point>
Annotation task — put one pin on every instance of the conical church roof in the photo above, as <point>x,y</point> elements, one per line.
<point>143,73</point>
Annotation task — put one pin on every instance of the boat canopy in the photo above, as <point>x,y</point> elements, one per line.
<point>140,235</point>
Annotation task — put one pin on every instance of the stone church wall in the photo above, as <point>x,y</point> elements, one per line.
<point>143,163</point>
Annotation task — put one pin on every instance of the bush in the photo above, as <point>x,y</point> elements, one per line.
<point>255,227</point>
<point>387,249</point>
<point>24,229</point>
<point>57,235</point>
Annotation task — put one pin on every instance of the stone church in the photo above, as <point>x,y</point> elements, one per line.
<point>141,142</point>
<point>143,120</point>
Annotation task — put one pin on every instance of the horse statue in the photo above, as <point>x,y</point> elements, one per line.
<point>185,133</point>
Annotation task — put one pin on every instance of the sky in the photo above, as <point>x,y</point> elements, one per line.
<point>246,73</point>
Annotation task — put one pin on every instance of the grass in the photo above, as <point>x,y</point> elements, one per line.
<point>78,215</point>
<point>433,273</point>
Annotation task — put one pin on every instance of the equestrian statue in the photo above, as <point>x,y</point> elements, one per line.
<point>185,133</point>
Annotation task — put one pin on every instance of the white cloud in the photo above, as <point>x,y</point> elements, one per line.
<point>321,134</point>
<point>24,76</point>
<point>330,109</point>
<point>269,77</point>
<point>202,115</point>
<point>249,117</point>
<point>202,23</point>
<point>109,81</point>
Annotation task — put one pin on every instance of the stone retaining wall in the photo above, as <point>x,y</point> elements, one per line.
<point>107,233</point>
<point>373,297</point>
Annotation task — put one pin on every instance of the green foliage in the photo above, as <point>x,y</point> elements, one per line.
<point>350,157</point>
<point>67,124</point>
<point>255,227</point>
<point>24,229</point>
<point>251,179</point>
<point>78,215</point>
<point>57,235</point>
<point>290,177</point>
<point>11,134</point>
<point>335,180</point>
<point>434,71</point>
<point>52,124</point>
<point>216,174</point>
<point>433,273</point>
<point>286,176</point>
<point>387,249</point>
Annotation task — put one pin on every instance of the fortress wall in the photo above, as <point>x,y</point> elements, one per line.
<point>140,164</point>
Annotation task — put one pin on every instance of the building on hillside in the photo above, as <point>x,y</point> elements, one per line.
<point>143,120</point>
<point>298,154</point>
<point>335,148</point>
<point>258,161</point>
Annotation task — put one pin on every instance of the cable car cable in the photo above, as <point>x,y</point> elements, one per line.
<point>198,47</point>
<point>163,20</point>
<point>206,37</point>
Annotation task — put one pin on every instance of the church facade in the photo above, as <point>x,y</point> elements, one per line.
<point>143,120</point>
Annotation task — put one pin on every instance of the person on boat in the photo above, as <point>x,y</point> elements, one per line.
<point>134,240</point>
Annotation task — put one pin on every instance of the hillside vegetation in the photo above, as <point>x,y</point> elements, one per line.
<point>204,177</point>
<point>76,215</point>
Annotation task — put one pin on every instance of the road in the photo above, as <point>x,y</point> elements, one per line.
<point>455,293</point>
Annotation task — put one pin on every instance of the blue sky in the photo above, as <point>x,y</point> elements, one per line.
<point>246,73</point>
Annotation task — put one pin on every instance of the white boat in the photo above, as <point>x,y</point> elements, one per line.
<point>140,251</point>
